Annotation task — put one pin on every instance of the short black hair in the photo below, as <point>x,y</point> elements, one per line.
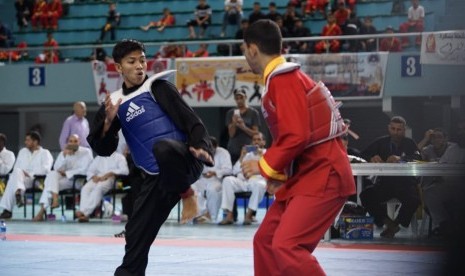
<point>126,46</point>
<point>3,138</point>
<point>266,35</point>
<point>34,136</point>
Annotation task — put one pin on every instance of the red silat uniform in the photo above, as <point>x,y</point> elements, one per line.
<point>308,156</point>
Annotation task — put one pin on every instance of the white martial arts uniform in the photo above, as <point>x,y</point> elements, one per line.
<point>92,193</point>
<point>72,164</point>
<point>233,184</point>
<point>38,162</point>
<point>7,160</point>
<point>208,190</point>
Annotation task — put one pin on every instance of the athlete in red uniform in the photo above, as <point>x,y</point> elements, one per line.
<point>306,166</point>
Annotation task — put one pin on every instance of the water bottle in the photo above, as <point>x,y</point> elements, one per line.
<point>2,230</point>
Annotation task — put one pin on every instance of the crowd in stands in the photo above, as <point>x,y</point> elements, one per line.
<point>341,16</point>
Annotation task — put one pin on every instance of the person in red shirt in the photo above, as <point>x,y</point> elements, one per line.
<point>48,55</point>
<point>55,10</point>
<point>390,44</point>
<point>39,14</point>
<point>306,166</point>
<point>342,14</point>
<point>330,29</point>
<point>167,20</point>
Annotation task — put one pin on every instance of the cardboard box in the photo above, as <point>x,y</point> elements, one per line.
<point>356,227</point>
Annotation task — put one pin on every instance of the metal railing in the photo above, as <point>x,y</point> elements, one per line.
<point>229,42</point>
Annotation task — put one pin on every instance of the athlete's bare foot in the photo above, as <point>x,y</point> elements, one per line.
<point>189,208</point>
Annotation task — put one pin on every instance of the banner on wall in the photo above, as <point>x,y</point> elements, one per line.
<point>443,48</point>
<point>107,79</point>
<point>348,76</point>
<point>212,81</point>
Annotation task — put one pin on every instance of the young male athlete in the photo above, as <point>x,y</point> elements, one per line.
<point>306,166</point>
<point>167,140</point>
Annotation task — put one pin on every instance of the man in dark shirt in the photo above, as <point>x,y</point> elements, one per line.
<point>256,13</point>
<point>394,148</point>
<point>167,140</point>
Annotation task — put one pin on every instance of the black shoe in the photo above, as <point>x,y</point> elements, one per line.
<point>19,200</point>
<point>6,214</point>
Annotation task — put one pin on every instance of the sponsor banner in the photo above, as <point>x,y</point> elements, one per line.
<point>212,81</point>
<point>348,76</point>
<point>107,79</point>
<point>443,48</point>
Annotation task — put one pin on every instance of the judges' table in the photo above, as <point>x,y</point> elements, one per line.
<point>404,169</point>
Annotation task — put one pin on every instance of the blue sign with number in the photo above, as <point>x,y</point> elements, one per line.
<point>411,66</point>
<point>37,76</point>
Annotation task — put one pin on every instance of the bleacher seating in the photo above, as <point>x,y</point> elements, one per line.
<point>82,24</point>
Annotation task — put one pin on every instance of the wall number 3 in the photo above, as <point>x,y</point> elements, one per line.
<point>36,76</point>
<point>411,66</point>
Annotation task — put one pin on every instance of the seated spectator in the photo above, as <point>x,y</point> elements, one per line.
<point>397,7</point>
<point>208,187</point>
<point>416,16</point>
<point>232,14</point>
<point>390,44</point>
<point>434,144</point>
<point>309,7</point>
<point>393,148</point>
<point>202,51</point>
<point>299,30</point>
<point>23,13</point>
<point>32,160</point>
<point>6,38</point>
<point>238,183</point>
<point>49,55</point>
<point>352,27</point>
<point>273,13</point>
<point>330,29</point>
<point>240,35</point>
<point>99,53</point>
<point>256,13</point>
<point>342,14</point>
<point>202,19</point>
<point>39,15</point>
<point>113,21</point>
<point>167,19</point>
<point>71,161</point>
<point>7,160</point>
<point>444,196</point>
<point>367,28</point>
<point>54,12</point>
<point>7,157</point>
<point>290,17</point>
<point>100,177</point>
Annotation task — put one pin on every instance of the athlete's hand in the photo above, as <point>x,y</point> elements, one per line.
<point>272,186</point>
<point>202,155</point>
<point>111,109</point>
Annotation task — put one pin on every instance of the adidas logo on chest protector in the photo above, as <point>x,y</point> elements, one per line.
<point>133,111</point>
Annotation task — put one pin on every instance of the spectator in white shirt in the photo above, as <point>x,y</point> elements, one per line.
<point>100,177</point>
<point>232,14</point>
<point>73,160</point>
<point>7,157</point>
<point>32,160</point>
<point>416,16</point>
<point>208,187</point>
<point>238,183</point>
